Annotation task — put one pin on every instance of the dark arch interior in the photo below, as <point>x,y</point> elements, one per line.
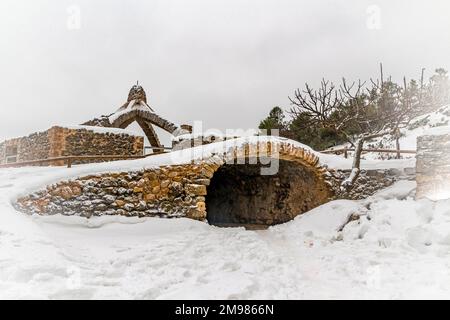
<point>239,195</point>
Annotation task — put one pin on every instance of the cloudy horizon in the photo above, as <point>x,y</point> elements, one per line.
<point>226,63</point>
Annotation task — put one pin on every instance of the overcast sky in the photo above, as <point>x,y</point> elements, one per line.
<point>225,62</point>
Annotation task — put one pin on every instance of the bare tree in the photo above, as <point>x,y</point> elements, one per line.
<point>319,104</point>
<point>353,108</point>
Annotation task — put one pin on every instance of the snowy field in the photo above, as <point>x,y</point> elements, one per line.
<point>399,248</point>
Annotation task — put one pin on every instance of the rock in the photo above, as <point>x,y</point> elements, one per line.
<point>201,206</point>
<point>172,174</point>
<point>120,203</point>
<point>101,207</point>
<point>76,191</point>
<point>122,190</point>
<point>142,182</point>
<point>196,189</point>
<point>141,206</point>
<point>109,199</point>
<point>165,183</point>
<point>205,182</point>
<point>176,188</point>
<point>196,214</point>
<point>64,192</point>
<point>138,190</point>
<point>156,190</point>
<point>154,183</point>
<point>207,172</point>
<point>187,200</point>
<point>132,184</point>
<point>149,197</point>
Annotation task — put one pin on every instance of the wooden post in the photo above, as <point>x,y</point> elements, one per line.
<point>69,162</point>
<point>397,142</point>
<point>345,152</point>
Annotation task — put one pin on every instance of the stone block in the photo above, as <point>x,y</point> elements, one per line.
<point>196,189</point>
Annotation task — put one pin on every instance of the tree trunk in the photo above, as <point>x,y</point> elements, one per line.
<point>348,183</point>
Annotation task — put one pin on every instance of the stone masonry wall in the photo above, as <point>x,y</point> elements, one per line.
<point>182,190</point>
<point>86,142</point>
<point>33,147</point>
<point>369,181</point>
<point>59,141</point>
<point>168,191</point>
<point>433,166</point>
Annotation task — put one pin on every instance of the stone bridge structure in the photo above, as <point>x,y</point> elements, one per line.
<point>223,188</point>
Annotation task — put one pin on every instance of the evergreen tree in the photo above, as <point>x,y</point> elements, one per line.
<point>275,120</point>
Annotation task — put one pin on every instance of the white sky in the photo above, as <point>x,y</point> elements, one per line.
<point>225,62</point>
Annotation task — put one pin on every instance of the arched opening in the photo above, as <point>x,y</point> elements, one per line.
<point>238,195</point>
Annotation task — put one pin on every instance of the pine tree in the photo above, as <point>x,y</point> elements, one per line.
<point>275,120</point>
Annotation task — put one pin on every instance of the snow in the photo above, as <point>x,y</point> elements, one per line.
<point>207,135</point>
<point>399,248</point>
<point>133,105</point>
<point>444,130</point>
<point>103,130</point>
<point>388,246</point>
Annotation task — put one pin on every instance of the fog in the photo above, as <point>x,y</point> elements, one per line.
<point>223,62</point>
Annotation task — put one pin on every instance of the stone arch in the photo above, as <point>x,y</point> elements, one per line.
<point>238,194</point>
<point>136,109</point>
<point>124,120</point>
<point>146,120</point>
<point>211,188</point>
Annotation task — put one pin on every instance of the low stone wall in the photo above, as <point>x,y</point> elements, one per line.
<point>169,191</point>
<point>182,190</point>
<point>369,181</point>
<point>433,166</point>
<point>59,141</point>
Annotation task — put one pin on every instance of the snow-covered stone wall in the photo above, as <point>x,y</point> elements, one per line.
<point>62,141</point>
<point>169,191</point>
<point>190,190</point>
<point>369,181</point>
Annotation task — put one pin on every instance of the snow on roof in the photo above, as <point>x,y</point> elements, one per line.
<point>132,106</point>
<point>103,130</point>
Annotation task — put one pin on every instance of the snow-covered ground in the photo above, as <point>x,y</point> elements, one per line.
<point>399,248</point>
